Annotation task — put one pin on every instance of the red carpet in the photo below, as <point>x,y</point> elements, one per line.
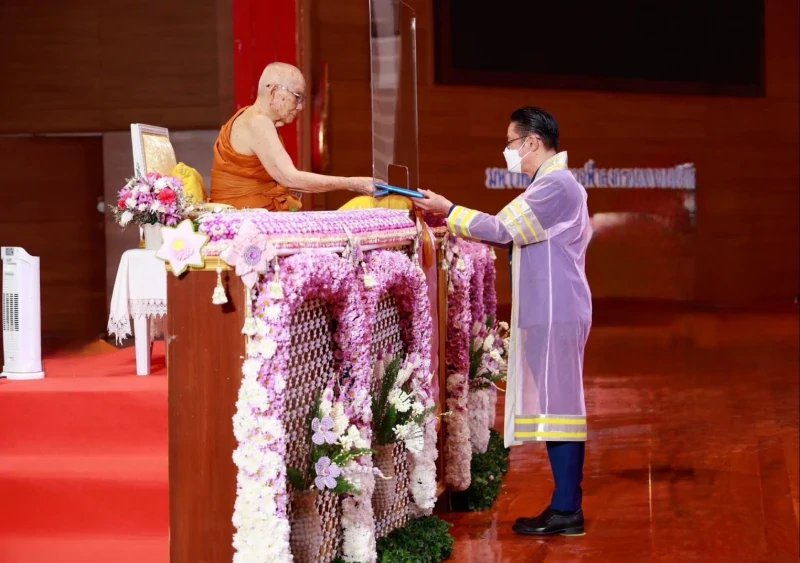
<point>83,461</point>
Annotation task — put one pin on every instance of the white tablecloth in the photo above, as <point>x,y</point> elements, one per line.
<point>140,291</point>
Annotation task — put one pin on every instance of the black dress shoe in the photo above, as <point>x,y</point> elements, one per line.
<point>526,520</point>
<point>551,523</point>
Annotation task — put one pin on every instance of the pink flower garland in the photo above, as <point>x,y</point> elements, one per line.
<point>394,273</point>
<point>457,449</point>
<point>475,254</point>
<point>310,229</point>
<point>260,512</point>
<point>483,293</point>
<point>490,284</point>
<point>479,419</point>
<point>483,301</point>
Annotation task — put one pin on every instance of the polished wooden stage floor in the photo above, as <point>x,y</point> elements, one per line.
<point>692,453</point>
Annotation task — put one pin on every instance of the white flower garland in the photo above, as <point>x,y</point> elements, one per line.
<point>422,481</point>
<point>262,532</point>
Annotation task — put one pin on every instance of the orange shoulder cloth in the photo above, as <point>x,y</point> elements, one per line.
<point>241,181</point>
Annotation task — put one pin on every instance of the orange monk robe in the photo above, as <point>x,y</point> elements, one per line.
<point>241,181</point>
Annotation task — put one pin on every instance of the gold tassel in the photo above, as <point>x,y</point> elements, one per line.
<point>250,327</point>
<point>219,297</point>
<point>369,279</point>
<point>275,287</point>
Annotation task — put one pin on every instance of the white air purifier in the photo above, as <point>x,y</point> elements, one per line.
<point>22,318</point>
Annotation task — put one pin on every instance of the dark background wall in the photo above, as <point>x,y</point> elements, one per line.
<point>744,248</point>
<point>92,66</point>
<point>78,69</point>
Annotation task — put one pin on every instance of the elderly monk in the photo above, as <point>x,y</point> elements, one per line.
<point>548,230</point>
<point>251,167</point>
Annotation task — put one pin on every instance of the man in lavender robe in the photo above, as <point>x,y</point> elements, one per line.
<point>547,229</point>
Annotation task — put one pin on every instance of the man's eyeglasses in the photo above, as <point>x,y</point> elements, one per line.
<point>508,143</point>
<point>301,99</point>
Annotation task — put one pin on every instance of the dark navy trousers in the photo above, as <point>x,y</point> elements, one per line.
<point>566,462</point>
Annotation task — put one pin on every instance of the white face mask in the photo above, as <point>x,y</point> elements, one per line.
<point>513,159</point>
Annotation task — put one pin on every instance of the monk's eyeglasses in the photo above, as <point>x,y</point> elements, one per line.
<point>301,99</point>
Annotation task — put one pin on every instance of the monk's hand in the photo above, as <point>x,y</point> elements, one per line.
<point>363,185</point>
<point>433,203</point>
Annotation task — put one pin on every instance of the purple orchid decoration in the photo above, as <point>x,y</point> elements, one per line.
<point>323,431</point>
<point>327,472</point>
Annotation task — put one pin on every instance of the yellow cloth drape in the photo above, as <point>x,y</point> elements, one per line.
<point>193,185</point>
<point>389,202</point>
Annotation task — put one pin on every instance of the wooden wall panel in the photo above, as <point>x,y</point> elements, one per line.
<point>746,243</point>
<point>92,65</point>
<point>48,206</point>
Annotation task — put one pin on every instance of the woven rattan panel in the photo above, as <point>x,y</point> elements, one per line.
<point>311,367</point>
<point>386,332</point>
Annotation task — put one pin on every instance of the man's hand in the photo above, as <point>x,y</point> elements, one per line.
<point>363,185</point>
<point>433,203</point>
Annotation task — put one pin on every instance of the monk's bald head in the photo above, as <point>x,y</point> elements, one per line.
<point>281,92</point>
<point>281,74</point>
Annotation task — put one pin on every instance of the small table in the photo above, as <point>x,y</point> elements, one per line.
<point>140,292</point>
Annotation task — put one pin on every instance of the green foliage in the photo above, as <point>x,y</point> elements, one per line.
<point>475,357</point>
<point>497,451</point>
<point>487,476</point>
<point>424,540</point>
<point>386,416</point>
<point>297,478</point>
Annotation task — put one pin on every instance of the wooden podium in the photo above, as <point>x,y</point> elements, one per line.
<point>205,348</point>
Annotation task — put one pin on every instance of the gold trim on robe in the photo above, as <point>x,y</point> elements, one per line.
<point>556,162</point>
<point>521,222</point>
<point>550,427</point>
<point>460,219</point>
